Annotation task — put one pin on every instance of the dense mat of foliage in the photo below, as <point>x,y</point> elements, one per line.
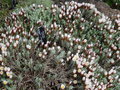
<point>6,6</point>
<point>82,49</point>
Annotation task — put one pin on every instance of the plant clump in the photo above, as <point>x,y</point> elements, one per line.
<point>82,49</point>
<point>5,72</point>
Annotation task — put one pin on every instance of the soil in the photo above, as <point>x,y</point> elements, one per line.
<point>104,8</point>
<point>101,6</point>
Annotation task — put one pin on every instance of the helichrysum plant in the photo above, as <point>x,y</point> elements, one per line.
<point>5,74</point>
<point>82,50</point>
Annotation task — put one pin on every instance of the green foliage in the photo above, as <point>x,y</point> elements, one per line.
<point>76,53</point>
<point>6,5</point>
<point>5,75</point>
<point>29,2</point>
<point>113,3</point>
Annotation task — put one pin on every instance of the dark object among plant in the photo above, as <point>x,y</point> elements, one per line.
<point>13,4</point>
<point>41,34</point>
